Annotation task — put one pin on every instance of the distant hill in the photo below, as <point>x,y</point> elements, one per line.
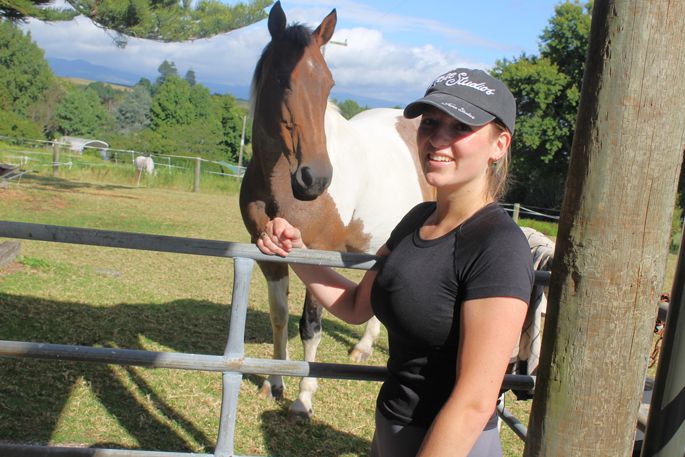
<point>82,69</point>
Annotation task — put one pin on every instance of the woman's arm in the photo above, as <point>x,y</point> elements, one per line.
<point>489,330</point>
<point>344,298</point>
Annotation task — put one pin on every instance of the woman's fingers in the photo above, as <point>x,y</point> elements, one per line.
<point>279,237</point>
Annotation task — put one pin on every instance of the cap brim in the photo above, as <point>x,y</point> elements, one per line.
<point>459,109</point>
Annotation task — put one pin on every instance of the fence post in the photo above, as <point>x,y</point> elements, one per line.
<point>517,209</point>
<point>196,181</point>
<point>55,159</point>
<point>235,347</point>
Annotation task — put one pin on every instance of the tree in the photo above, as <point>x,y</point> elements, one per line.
<point>107,94</point>
<point>612,243</point>
<point>133,113</point>
<point>15,126</point>
<point>547,89</point>
<point>162,20</point>
<point>231,117</point>
<point>81,113</point>
<point>166,70</point>
<point>171,104</point>
<point>24,73</point>
<point>349,108</point>
<point>190,77</point>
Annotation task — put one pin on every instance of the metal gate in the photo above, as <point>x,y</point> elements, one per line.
<point>232,364</point>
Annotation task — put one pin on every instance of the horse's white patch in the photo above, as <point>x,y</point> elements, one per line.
<point>374,176</point>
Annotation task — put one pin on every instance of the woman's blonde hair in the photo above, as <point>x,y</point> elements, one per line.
<point>498,172</point>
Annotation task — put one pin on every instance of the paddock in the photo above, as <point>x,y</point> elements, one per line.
<point>232,364</point>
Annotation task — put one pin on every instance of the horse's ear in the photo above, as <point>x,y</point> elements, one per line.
<point>324,32</point>
<point>277,20</point>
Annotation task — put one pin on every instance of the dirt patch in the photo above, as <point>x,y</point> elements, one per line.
<point>33,201</point>
<point>12,268</point>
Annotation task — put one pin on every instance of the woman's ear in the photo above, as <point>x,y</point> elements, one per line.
<point>502,144</point>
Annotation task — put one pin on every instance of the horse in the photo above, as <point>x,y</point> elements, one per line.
<point>143,165</point>
<point>344,184</point>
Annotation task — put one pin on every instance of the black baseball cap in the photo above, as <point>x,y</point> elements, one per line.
<point>470,96</point>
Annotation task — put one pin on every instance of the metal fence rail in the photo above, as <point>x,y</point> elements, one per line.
<point>232,364</point>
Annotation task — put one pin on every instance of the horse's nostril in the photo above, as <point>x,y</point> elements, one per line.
<point>306,175</point>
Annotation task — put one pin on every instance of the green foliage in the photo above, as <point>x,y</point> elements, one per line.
<point>18,10</point>
<point>15,126</point>
<point>24,73</point>
<point>349,108</point>
<point>231,117</point>
<point>133,113</point>
<point>81,113</point>
<point>547,90</point>
<point>107,93</point>
<point>170,20</point>
<point>166,70</point>
<point>171,104</point>
<point>190,77</point>
<point>42,112</point>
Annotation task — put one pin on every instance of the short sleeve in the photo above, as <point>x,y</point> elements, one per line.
<point>501,267</point>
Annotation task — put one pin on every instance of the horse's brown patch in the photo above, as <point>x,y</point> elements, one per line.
<point>407,130</point>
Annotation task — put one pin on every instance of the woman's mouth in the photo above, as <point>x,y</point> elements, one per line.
<point>439,158</point>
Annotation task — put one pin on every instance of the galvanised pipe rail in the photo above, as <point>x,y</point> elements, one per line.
<point>180,245</point>
<point>232,364</point>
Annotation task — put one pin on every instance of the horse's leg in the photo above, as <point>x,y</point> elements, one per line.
<point>277,282</point>
<point>363,350</point>
<point>310,334</point>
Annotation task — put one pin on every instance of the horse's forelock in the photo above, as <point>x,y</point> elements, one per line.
<point>298,35</point>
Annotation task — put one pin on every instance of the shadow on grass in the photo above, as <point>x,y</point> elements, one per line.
<point>62,184</point>
<point>33,393</point>
<point>314,438</point>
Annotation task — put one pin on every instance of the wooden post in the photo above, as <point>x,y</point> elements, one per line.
<point>613,232</point>
<point>55,159</point>
<point>196,180</point>
<point>517,210</point>
<point>242,143</point>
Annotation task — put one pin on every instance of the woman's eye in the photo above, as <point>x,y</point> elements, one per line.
<point>427,121</point>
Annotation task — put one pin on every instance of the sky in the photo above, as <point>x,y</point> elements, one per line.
<point>387,50</point>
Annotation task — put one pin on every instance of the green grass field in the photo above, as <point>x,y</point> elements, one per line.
<point>109,297</point>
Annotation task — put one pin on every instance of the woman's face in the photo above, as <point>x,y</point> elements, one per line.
<point>454,154</point>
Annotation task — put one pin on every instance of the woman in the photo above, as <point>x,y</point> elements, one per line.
<point>453,288</point>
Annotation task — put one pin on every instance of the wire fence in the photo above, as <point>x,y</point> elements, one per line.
<point>71,151</point>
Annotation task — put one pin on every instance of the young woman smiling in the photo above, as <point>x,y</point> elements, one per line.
<point>453,288</point>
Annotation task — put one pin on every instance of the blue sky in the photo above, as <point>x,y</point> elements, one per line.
<point>394,47</point>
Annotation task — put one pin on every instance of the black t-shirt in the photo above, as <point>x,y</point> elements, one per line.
<point>418,294</point>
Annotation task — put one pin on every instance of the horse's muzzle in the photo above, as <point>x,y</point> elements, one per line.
<point>308,185</point>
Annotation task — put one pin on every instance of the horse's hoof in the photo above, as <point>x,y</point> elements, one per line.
<point>269,391</point>
<point>299,413</point>
<point>358,356</point>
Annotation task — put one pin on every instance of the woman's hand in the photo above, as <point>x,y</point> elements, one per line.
<point>279,237</point>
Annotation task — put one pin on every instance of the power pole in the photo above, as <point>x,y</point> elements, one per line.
<point>613,232</point>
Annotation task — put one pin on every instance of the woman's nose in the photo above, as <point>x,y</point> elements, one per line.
<point>441,137</point>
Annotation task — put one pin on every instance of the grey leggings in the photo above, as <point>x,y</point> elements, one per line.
<point>391,440</point>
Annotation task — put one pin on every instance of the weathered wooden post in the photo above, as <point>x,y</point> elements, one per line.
<point>613,232</point>
<point>196,178</point>
<point>55,159</point>
<point>517,210</point>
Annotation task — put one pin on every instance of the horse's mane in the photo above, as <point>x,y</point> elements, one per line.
<point>298,35</point>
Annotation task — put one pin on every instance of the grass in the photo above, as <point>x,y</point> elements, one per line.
<point>108,297</point>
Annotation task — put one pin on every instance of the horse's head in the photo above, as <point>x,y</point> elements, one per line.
<point>290,92</point>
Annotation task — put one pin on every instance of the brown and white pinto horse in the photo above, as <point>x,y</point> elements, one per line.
<point>344,184</point>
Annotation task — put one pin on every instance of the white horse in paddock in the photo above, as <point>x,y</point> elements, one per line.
<point>145,165</point>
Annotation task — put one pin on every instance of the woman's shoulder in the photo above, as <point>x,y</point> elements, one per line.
<point>495,225</point>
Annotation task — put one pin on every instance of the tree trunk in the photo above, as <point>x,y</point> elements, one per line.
<point>614,231</point>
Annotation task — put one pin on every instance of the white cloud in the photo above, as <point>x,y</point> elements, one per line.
<point>369,66</point>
